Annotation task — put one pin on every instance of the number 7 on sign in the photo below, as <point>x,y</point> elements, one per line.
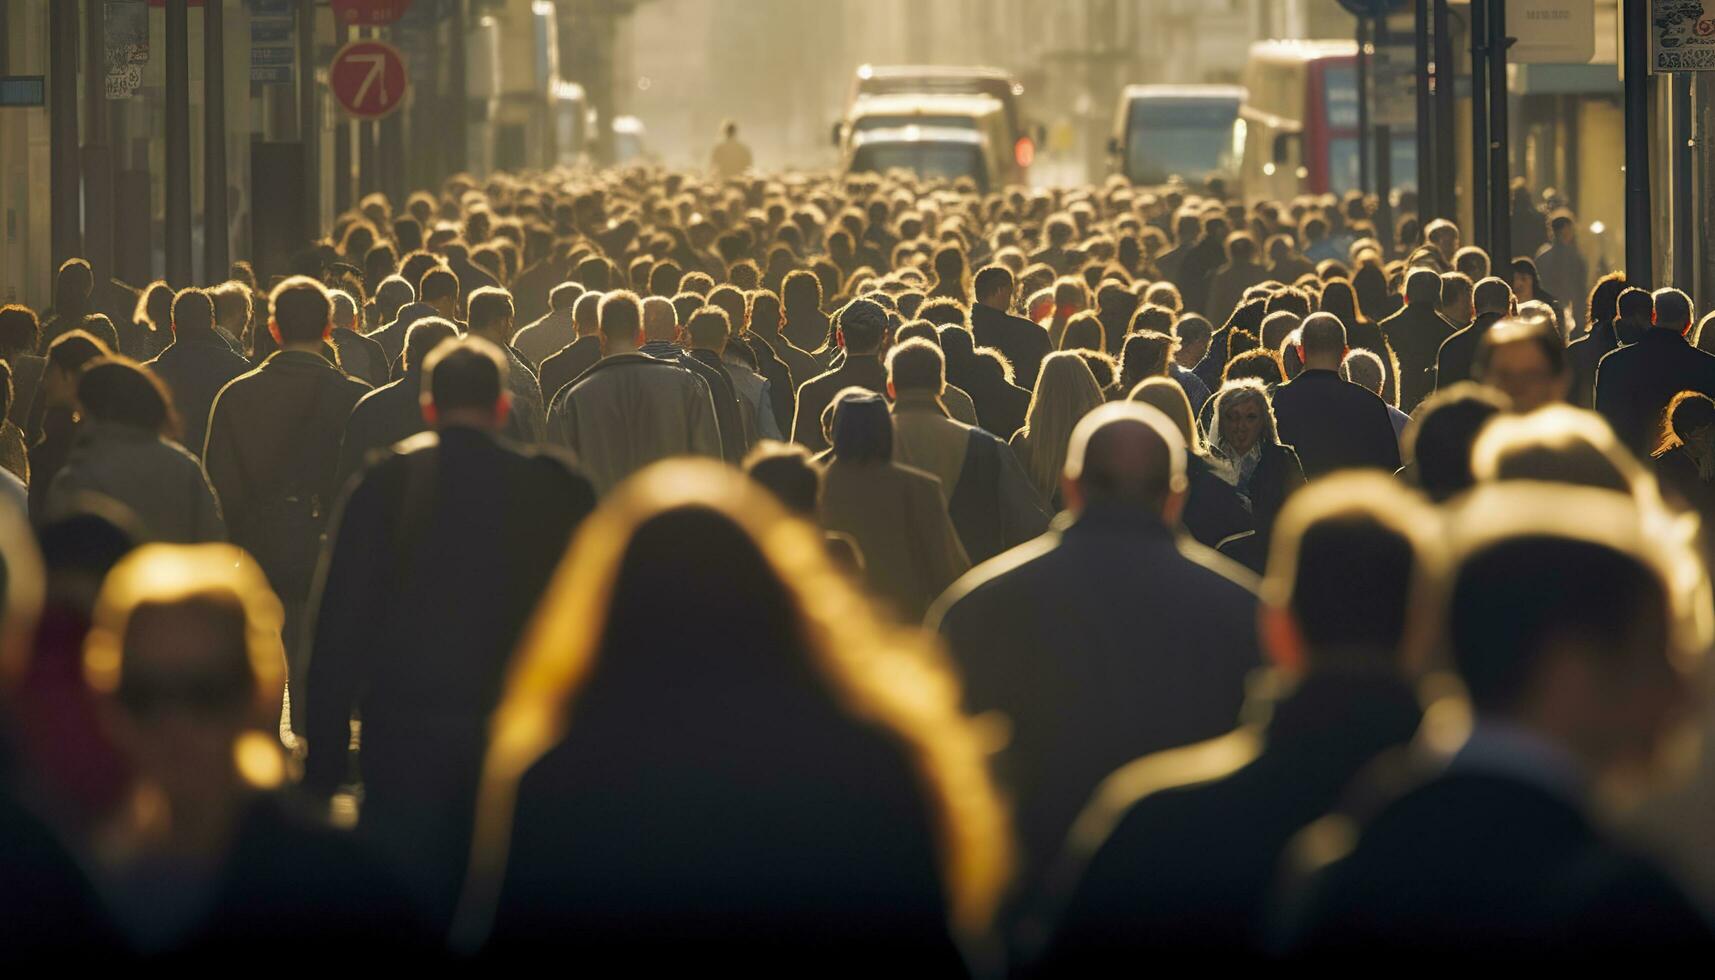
<point>377,73</point>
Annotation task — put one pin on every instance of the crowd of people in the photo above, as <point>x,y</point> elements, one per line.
<point>857,573</point>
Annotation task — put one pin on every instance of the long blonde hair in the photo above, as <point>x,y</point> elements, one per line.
<point>1066,391</point>
<point>899,679</point>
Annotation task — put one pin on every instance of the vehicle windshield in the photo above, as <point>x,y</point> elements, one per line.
<point>926,159</point>
<point>901,121</point>
<point>1190,139</point>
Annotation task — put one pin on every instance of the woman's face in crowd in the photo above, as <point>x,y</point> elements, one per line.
<point>1524,287</point>
<point>1241,425</point>
<point>1522,371</point>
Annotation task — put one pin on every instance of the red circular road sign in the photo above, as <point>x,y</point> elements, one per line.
<point>369,13</point>
<point>368,79</point>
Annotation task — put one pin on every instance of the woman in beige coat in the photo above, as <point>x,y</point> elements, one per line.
<point>896,514</point>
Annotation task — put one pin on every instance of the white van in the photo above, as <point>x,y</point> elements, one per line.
<point>932,135</point>
<point>1186,131</point>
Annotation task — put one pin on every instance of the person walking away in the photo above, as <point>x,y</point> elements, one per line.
<point>420,655</point>
<point>730,157</point>
<point>1492,299</point>
<point>185,660</point>
<point>1079,694</point>
<point>1566,626</point>
<point>491,314</point>
<point>1416,333</point>
<point>394,411</point>
<point>896,514</point>
<point>989,497</point>
<point>861,331</point>
<point>52,441</point>
<point>196,365</point>
<point>1332,423</point>
<point>124,450</point>
<point>272,452</point>
<point>1178,852</point>
<point>630,409</point>
<point>1634,384</point>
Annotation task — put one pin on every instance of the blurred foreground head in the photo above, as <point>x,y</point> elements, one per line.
<point>1349,573</point>
<point>1577,613</point>
<point>185,651</point>
<point>747,702</point>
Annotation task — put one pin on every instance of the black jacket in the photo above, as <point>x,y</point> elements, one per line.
<point>1277,475</point>
<point>565,366</point>
<point>1415,333</point>
<point>1148,648</point>
<point>438,556</point>
<point>861,371</point>
<point>1334,424</point>
<point>1024,343</point>
<point>729,419</point>
<point>389,414</point>
<point>194,369</point>
<point>1001,405</point>
<point>1480,865</point>
<point>1184,862</point>
<point>1634,384</point>
<point>1454,363</point>
<point>1584,354</point>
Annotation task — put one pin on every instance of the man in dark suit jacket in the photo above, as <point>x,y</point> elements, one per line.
<point>1179,850</point>
<point>1416,333</point>
<point>1331,422</point>
<point>197,365</point>
<point>1635,383</point>
<point>1566,649</point>
<point>1604,335</point>
<point>1024,343</point>
<point>1149,645</point>
<point>862,330</point>
<point>564,366</point>
<point>1492,299</point>
<point>394,411</point>
<point>438,556</point>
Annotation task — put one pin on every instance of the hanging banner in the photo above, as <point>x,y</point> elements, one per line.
<point>125,35</point>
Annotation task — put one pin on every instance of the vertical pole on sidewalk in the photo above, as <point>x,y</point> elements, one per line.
<point>215,247</point>
<point>178,144</point>
<point>1500,193</point>
<point>1635,40</point>
<point>1481,231</point>
<point>1446,77</point>
<point>64,178</point>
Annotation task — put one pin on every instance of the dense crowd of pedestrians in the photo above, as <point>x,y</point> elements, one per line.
<point>857,574</point>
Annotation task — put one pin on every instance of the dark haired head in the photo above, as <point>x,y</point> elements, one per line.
<point>117,391</point>
<point>862,429</point>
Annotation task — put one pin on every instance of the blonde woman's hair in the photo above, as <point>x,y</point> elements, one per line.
<point>899,679</point>
<point>1066,391</point>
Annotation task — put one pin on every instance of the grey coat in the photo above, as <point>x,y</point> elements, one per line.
<point>155,478</point>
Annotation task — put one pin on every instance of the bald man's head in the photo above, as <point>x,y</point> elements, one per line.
<point>1126,453</point>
